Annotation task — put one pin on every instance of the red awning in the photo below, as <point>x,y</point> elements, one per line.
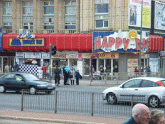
<point>156,43</point>
<point>81,42</point>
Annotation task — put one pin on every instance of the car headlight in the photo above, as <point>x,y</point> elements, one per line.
<point>42,85</point>
<point>53,84</point>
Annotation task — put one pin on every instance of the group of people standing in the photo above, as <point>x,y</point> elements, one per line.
<point>147,71</point>
<point>69,74</point>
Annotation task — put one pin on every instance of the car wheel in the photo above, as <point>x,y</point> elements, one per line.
<point>154,102</point>
<point>32,90</point>
<point>2,89</point>
<point>111,99</point>
<point>48,92</point>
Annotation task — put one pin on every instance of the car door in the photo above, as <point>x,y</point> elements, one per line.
<point>128,89</point>
<point>146,87</point>
<point>19,82</point>
<point>9,81</point>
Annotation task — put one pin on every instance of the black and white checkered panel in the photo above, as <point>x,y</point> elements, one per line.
<point>29,69</point>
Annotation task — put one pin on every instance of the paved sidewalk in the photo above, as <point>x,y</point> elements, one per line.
<point>58,118</point>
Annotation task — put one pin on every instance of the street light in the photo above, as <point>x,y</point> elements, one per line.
<point>140,40</point>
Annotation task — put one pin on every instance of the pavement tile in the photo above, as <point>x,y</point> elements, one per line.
<point>58,118</point>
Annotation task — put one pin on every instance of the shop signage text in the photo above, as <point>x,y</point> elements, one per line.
<point>27,42</point>
<point>117,41</point>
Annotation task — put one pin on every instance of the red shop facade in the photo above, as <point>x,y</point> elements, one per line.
<point>70,49</point>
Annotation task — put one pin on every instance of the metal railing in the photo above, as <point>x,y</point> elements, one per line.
<point>73,102</point>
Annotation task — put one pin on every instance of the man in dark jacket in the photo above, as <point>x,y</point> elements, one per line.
<point>57,73</point>
<point>77,77</point>
<point>65,75</point>
<point>16,67</point>
<point>140,115</point>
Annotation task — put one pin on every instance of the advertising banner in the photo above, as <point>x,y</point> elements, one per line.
<point>159,15</point>
<point>20,54</point>
<point>32,55</point>
<point>128,41</point>
<point>131,64</point>
<point>154,64</point>
<point>45,55</point>
<point>134,13</point>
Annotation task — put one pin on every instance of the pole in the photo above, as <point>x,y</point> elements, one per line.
<point>140,40</point>
<point>50,53</point>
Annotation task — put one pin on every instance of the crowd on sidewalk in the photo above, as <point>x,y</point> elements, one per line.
<point>71,75</point>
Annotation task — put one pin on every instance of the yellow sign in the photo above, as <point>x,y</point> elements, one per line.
<point>132,35</point>
<point>27,42</point>
<point>146,17</point>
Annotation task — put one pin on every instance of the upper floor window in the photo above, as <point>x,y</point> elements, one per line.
<point>49,8</point>
<point>28,25</point>
<point>70,14</point>
<point>7,25</point>
<point>27,8</point>
<point>101,13</point>
<point>7,8</point>
<point>48,25</point>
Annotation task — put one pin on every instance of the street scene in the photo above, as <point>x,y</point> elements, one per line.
<point>82,61</point>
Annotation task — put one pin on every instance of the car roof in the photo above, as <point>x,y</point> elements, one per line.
<point>19,73</point>
<point>155,79</point>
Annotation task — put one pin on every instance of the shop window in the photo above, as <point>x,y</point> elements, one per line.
<point>101,63</point>
<point>101,13</point>
<point>87,68</point>
<point>115,65</point>
<point>108,65</point>
<point>70,14</point>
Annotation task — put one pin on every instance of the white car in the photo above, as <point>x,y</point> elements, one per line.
<point>148,90</point>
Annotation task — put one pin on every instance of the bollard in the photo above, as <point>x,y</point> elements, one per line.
<point>56,102</point>
<point>22,100</point>
<point>92,102</point>
<point>117,79</point>
<point>131,104</point>
<point>105,79</point>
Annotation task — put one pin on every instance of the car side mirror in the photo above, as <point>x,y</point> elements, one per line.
<point>23,80</point>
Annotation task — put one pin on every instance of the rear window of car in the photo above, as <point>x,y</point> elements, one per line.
<point>163,81</point>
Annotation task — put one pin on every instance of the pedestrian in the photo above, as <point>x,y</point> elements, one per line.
<point>44,72</point>
<point>148,71</point>
<point>67,75</point>
<point>77,77</point>
<point>6,68</point>
<point>72,72</point>
<point>157,117</point>
<point>16,67</point>
<point>136,71</point>
<point>140,115</point>
<point>57,73</point>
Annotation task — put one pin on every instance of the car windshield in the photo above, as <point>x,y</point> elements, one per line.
<point>163,81</point>
<point>30,77</point>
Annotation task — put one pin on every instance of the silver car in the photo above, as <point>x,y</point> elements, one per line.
<point>148,90</point>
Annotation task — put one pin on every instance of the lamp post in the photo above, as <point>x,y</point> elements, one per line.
<point>140,40</point>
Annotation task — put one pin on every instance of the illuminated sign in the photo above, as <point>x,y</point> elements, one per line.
<point>27,42</point>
